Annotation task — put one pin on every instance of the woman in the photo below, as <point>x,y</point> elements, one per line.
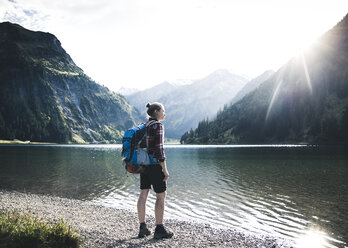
<point>155,175</point>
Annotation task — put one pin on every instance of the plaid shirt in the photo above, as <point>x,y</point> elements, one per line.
<point>155,139</point>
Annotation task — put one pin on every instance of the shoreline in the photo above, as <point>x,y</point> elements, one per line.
<point>21,142</point>
<point>101,226</point>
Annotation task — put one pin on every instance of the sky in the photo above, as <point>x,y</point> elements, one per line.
<point>142,43</point>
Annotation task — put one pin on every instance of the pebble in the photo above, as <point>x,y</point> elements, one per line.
<point>107,227</point>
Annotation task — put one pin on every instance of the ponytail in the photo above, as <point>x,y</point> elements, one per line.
<point>152,107</point>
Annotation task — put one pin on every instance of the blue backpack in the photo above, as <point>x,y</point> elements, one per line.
<point>134,152</point>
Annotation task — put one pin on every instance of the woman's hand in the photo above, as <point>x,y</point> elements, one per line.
<point>165,171</point>
<point>166,175</point>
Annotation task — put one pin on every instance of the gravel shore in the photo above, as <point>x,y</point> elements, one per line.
<point>101,226</point>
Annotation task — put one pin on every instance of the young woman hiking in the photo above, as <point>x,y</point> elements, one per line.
<point>155,175</point>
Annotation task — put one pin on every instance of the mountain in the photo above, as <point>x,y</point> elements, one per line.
<point>141,98</point>
<point>45,97</point>
<point>127,91</point>
<point>186,104</point>
<point>252,85</point>
<point>180,82</point>
<point>306,100</point>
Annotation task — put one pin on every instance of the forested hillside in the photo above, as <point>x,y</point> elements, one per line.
<point>304,101</point>
<point>45,97</point>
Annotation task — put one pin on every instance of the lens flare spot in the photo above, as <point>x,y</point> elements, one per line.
<point>312,238</point>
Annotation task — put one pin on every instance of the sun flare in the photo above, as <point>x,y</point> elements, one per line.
<point>312,238</point>
<point>308,79</point>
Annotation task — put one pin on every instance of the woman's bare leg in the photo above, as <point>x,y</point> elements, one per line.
<point>159,207</point>
<point>142,204</point>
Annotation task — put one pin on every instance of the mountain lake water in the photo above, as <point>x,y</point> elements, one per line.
<point>296,193</point>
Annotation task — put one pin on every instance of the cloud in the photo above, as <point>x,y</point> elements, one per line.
<point>26,16</point>
<point>46,14</point>
<point>120,42</point>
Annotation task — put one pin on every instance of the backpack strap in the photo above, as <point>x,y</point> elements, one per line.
<point>150,123</point>
<point>146,132</point>
<point>147,125</point>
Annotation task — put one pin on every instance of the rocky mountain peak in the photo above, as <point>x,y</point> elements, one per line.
<point>45,97</point>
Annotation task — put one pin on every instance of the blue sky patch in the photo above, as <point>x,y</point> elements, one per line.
<point>30,12</point>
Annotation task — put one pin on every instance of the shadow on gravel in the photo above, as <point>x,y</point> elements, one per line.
<point>134,242</point>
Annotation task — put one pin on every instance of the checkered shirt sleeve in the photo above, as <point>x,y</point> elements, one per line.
<point>156,140</point>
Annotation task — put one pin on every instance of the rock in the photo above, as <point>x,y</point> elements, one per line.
<point>101,226</point>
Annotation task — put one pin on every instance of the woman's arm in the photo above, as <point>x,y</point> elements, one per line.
<point>157,137</point>
<point>162,156</point>
<point>165,171</point>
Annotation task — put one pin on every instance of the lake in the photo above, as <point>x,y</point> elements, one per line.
<point>298,193</point>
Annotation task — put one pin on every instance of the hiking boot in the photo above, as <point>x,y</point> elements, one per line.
<point>144,231</point>
<point>162,233</point>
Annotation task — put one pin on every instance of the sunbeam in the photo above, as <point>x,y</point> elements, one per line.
<point>308,79</point>
<point>275,93</point>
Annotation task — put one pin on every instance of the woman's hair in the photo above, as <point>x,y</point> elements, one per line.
<point>152,107</point>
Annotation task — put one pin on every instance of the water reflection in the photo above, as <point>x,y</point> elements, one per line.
<point>68,172</point>
<point>273,190</point>
<point>312,238</point>
<point>280,192</point>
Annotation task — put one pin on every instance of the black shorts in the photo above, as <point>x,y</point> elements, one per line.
<point>153,175</point>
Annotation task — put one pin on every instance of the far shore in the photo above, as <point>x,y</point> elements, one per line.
<point>21,142</point>
<point>101,226</point>
<point>167,142</point>
<point>24,142</point>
